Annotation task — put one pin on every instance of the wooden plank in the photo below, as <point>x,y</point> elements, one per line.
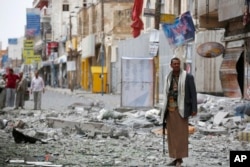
<point>210,22</point>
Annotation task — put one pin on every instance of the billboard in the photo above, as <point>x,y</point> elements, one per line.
<point>33,22</point>
<point>12,41</point>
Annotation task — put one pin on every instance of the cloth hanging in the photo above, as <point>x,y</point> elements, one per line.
<point>137,24</point>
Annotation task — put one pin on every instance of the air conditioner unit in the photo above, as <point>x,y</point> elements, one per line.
<point>108,40</point>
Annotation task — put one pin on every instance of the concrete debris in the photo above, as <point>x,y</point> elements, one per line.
<point>107,114</point>
<point>117,133</point>
<point>153,116</point>
<point>202,124</point>
<point>3,123</point>
<point>219,117</point>
<point>247,127</point>
<point>204,116</point>
<point>88,133</point>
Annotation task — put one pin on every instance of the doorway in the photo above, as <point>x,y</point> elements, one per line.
<point>240,71</point>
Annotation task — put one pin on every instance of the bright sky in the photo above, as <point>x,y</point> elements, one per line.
<point>12,19</point>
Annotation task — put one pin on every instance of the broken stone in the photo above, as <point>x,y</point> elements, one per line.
<point>152,112</point>
<point>117,133</point>
<point>91,134</point>
<point>107,114</point>
<point>3,123</point>
<point>25,112</point>
<point>153,116</point>
<point>79,130</point>
<point>137,123</point>
<point>219,117</point>
<point>203,108</point>
<point>52,114</point>
<point>229,124</point>
<point>79,109</point>
<point>235,119</point>
<point>205,116</point>
<point>216,131</point>
<point>202,124</point>
<point>19,124</point>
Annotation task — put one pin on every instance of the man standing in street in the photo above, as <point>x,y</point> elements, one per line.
<point>20,91</point>
<point>180,102</point>
<point>11,79</point>
<point>37,87</point>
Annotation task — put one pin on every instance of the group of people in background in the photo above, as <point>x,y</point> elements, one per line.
<point>17,92</point>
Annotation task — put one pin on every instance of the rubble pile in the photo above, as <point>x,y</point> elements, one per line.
<point>89,134</point>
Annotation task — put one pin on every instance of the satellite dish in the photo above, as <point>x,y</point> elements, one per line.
<point>210,49</point>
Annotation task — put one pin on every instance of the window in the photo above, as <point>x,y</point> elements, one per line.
<point>65,7</point>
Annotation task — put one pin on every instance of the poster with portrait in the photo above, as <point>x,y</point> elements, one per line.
<point>181,31</point>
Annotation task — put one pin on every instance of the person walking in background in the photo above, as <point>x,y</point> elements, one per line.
<point>2,91</point>
<point>37,87</point>
<point>11,80</point>
<point>180,102</point>
<point>20,91</point>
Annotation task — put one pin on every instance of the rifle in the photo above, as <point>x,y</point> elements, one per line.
<point>163,139</point>
<point>164,124</point>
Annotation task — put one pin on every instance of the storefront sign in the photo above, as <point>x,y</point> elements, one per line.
<point>167,18</point>
<point>210,49</point>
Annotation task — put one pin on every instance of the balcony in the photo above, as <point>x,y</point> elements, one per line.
<point>45,15</point>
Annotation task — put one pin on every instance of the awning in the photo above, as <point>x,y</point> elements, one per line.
<point>61,59</point>
<point>46,63</point>
<point>38,45</point>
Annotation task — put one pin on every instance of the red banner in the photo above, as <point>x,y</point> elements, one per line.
<point>50,46</point>
<point>137,24</point>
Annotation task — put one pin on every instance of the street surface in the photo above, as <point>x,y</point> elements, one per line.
<point>77,137</point>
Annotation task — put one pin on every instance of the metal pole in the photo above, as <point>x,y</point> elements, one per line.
<point>71,54</point>
<point>102,63</point>
<point>102,47</point>
<point>156,58</point>
<point>156,61</point>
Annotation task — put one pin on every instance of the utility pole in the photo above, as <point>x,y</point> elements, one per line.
<point>156,58</point>
<point>102,46</point>
<point>71,54</point>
